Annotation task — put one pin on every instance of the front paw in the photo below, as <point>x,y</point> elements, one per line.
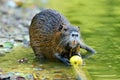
<point>63,59</point>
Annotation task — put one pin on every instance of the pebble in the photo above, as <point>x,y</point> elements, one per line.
<point>4,77</point>
<point>1,71</point>
<point>23,60</point>
<point>2,53</point>
<point>36,69</point>
<point>30,77</point>
<point>11,4</point>
<point>19,76</point>
<point>58,77</point>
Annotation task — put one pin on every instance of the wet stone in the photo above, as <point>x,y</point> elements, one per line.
<point>20,78</point>
<point>58,77</point>
<point>36,69</point>
<point>2,53</point>
<point>4,77</point>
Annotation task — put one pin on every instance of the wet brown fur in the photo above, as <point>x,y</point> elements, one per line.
<point>45,40</point>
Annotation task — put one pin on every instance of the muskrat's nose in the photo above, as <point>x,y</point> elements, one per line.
<point>74,35</point>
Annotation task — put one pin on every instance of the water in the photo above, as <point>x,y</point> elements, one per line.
<point>99,22</point>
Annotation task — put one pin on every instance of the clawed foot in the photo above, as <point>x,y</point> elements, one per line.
<point>41,58</point>
<point>64,60</point>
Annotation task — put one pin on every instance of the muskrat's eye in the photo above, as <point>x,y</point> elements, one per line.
<point>76,35</point>
<point>72,34</point>
<point>60,28</point>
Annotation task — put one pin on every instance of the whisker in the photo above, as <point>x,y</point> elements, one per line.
<point>63,42</point>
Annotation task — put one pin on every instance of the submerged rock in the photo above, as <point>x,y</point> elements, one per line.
<point>37,69</point>
<point>58,77</point>
<point>8,45</point>
<point>11,4</point>
<point>19,76</point>
<point>4,77</point>
<point>23,60</point>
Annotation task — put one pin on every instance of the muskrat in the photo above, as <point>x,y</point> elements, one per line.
<point>52,36</point>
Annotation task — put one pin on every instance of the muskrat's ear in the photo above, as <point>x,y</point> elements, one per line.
<point>78,28</point>
<point>62,27</point>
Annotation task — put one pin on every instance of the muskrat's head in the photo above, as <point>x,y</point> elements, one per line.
<point>70,36</point>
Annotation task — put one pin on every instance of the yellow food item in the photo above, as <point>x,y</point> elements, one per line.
<point>76,60</point>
